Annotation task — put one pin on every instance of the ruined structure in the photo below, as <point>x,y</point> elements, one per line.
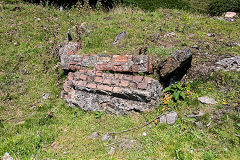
<point>109,82</point>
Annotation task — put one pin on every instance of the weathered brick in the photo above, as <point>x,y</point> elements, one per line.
<point>120,58</point>
<point>150,68</point>
<point>99,73</point>
<point>92,85</point>
<point>117,68</point>
<point>70,78</point>
<point>115,82</point>
<point>135,68</point>
<point>98,79</point>
<point>128,77</point>
<point>101,67</point>
<point>117,89</point>
<point>137,78</point>
<point>90,78</point>
<point>83,71</point>
<point>107,88</point>
<point>83,77</point>
<point>124,83</point>
<point>142,85</point>
<point>81,83</point>
<point>133,85</point>
<point>107,81</point>
<point>147,80</point>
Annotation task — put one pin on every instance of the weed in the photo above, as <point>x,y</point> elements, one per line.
<point>176,90</point>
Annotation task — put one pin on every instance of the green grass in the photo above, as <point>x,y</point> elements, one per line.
<point>28,69</point>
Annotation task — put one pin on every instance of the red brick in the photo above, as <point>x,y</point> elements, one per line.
<point>125,68</point>
<point>120,58</point>
<point>124,83</point>
<point>142,85</point>
<point>98,79</point>
<point>70,52</point>
<point>147,80</point>
<point>100,87</point>
<point>115,82</point>
<point>104,58</point>
<point>98,73</point>
<point>117,68</point>
<point>90,78</point>
<point>81,83</point>
<point>72,65</point>
<point>92,85</point>
<point>70,77</point>
<point>117,89</point>
<point>107,88</point>
<point>104,87</point>
<point>128,77</point>
<point>135,68</point>
<point>150,68</point>
<point>133,85</point>
<point>107,81</point>
<point>137,78</point>
<point>83,71</point>
<point>90,72</point>
<point>104,104</point>
<point>83,77</point>
<point>107,75</point>
<point>120,76</point>
<point>101,67</point>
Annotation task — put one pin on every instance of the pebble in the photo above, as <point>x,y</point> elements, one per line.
<point>94,135</point>
<point>144,134</point>
<point>111,151</point>
<point>7,156</point>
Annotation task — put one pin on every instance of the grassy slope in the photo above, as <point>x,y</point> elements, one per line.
<point>28,70</point>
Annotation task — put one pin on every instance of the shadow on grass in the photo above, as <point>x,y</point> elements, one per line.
<point>151,5</point>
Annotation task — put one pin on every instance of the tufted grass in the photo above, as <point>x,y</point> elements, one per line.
<point>28,69</point>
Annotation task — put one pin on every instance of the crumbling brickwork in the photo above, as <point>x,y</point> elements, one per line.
<point>115,93</point>
<point>70,60</point>
<point>90,88</point>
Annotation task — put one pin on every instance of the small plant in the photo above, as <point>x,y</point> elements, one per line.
<point>98,114</point>
<point>176,90</point>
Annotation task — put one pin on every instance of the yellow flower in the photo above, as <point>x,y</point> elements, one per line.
<point>210,88</point>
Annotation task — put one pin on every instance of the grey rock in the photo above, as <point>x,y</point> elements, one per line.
<point>162,119</point>
<point>46,96</point>
<point>199,124</point>
<point>106,137</point>
<point>211,35</point>
<point>149,126</point>
<point>179,60</point>
<point>191,35</point>
<point>119,37</point>
<point>7,156</point>
<point>229,64</point>
<point>232,44</point>
<point>111,151</point>
<point>94,135</point>
<point>171,117</point>
<point>226,19</point>
<point>207,100</point>
<point>170,34</point>
<point>200,114</point>
<point>196,47</point>
<point>127,144</point>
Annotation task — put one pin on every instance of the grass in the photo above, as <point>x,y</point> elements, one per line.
<point>34,128</point>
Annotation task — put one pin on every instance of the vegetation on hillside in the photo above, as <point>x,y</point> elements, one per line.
<point>32,127</point>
